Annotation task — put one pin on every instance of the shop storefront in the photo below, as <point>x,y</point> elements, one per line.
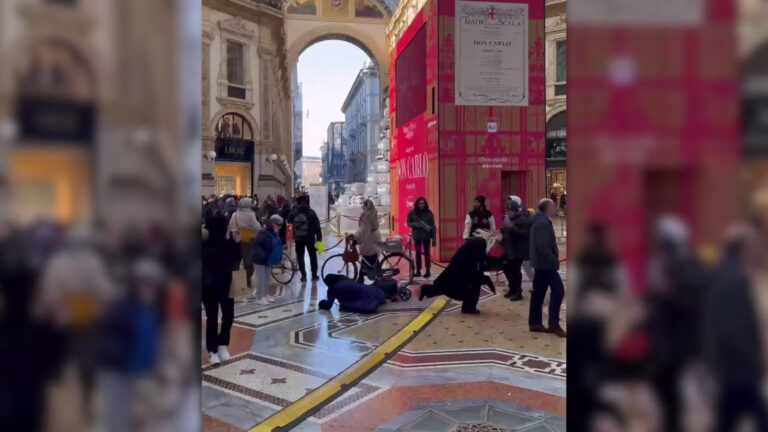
<point>234,156</point>
<point>755,137</point>
<point>52,162</point>
<point>556,154</point>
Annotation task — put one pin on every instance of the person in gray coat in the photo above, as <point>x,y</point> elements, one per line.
<point>545,259</point>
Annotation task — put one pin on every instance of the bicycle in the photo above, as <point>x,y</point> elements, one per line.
<point>392,263</point>
<point>284,272</point>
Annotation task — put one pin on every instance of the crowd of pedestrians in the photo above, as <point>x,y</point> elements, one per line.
<point>97,313</point>
<point>237,231</point>
<point>528,243</point>
<point>692,339</point>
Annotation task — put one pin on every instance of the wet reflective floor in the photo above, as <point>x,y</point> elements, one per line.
<point>489,365</point>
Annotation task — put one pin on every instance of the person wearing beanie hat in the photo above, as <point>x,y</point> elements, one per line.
<point>515,228</point>
<point>514,199</point>
<point>479,218</point>
<point>265,250</point>
<point>276,220</point>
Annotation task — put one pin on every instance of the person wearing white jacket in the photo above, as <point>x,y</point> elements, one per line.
<point>479,218</point>
<point>244,227</point>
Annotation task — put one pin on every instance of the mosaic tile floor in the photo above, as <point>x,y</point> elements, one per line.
<point>284,350</point>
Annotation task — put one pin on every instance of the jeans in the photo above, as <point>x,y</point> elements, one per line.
<point>215,296</point>
<point>261,281</point>
<point>245,249</point>
<point>511,269</point>
<point>310,248</point>
<point>541,280</point>
<point>422,246</point>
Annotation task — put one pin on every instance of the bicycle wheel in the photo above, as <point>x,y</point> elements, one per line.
<point>335,265</point>
<point>284,272</point>
<point>397,266</point>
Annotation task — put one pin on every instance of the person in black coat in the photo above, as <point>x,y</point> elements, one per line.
<point>352,296</point>
<point>422,224</point>
<point>219,256</point>
<point>462,279</point>
<point>677,286</point>
<point>734,339</point>
<point>545,259</point>
<point>516,231</point>
<point>306,231</point>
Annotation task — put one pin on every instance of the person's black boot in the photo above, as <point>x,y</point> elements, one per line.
<point>428,274</point>
<point>471,312</point>
<point>315,278</point>
<point>516,296</point>
<point>557,330</point>
<point>303,278</point>
<point>417,274</point>
<point>538,328</point>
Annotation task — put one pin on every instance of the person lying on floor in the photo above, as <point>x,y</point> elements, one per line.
<point>352,296</point>
<point>462,279</point>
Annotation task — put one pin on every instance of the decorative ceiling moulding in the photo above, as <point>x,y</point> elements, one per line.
<point>248,9</point>
<point>401,19</point>
<point>41,16</point>
<point>235,27</point>
<point>554,23</point>
<point>208,34</point>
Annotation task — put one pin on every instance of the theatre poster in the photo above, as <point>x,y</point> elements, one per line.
<point>491,51</point>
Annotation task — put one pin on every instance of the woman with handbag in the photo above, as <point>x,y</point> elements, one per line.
<point>243,228</point>
<point>368,238</point>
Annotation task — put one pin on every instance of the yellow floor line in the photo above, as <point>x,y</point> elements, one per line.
<point>350,376</point>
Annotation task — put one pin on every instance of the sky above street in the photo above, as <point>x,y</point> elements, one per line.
<point>326,73</point>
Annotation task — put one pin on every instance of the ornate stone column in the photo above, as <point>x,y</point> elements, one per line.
<point>208,171</point>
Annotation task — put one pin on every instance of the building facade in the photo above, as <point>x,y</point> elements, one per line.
<point>298,125</point>
<point>84,133</point>
<point>312,169</point>
<point>334,158</point>
<point>247,112</point>
<point>362,115</point>
<point>753,50</point>
<point>556,61</point>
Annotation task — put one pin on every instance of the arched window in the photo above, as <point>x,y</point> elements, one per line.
<point>56,69</point>
<point>234,126</point>
<point>556,136</point>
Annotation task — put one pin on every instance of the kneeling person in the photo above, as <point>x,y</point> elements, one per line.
<point>352,296</point>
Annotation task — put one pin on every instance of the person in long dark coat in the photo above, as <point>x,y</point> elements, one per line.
<point>219,256</point>
<point>734,347</point>
<point>462,279</point>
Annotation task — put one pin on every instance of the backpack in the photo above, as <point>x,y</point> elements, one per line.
<point>301,227</point>
<point>276,255</point>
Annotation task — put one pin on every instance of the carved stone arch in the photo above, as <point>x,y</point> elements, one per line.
<point>245,114</point>
<point>554,112</point>
<point>340,31</point>
<point>58,56</point>
<point>374,47</point>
